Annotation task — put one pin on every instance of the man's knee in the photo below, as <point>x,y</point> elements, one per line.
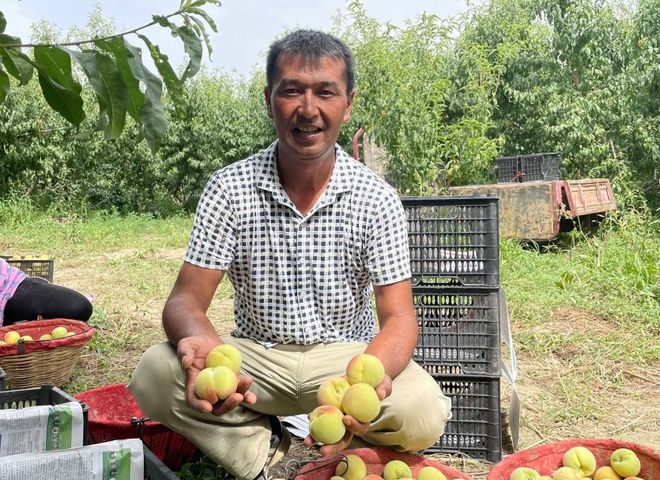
<point>155,376</point>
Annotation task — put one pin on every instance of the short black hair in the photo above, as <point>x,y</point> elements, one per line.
<point>312,45</point>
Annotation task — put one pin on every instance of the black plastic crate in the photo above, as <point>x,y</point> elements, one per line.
<point>542,166</point>
<point>507,169</point>
<point>528,168</point>
<point>44,395</point>
<point>154,469</point>
<point>453,240</point>
<point>459,330</point>
<point>475,427</point>
<point>34,267</point>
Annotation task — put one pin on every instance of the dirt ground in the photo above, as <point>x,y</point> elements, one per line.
<point>622,402</point>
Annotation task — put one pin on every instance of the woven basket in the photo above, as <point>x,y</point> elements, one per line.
<point>375,459</point>
<point>547,458</point>
<point>32,364</point>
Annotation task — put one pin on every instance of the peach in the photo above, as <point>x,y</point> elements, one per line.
<point>625,462</point>
<point>351,468</point>
<point>373,476</point>
<point>46,336</point>
<point>581,459</point>
<point>332,391</point>
<point>11,337</point>
<point>59,332</point>
<point>566,473</point>
<point>225,355</point>
<point>27,338</point>
<point>361,402</point>
<point>430,473</point>
<point>606,473</point>
<point>396,469</point>
<point>213,384</point>
<point>326,424</point>
<point>524,473</point>
<point>365,368</point>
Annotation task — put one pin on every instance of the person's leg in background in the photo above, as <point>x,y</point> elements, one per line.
<point>35,297</point>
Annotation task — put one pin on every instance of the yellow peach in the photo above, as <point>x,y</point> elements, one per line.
<point>396,470</point>
<point>225,355</point>
<point>332,391</point>
<point>430,473</point>
<point>361,402</point>
<point>59,332</point>
<point>581,459</point>
<point>365,368</point>
<point>11,337</point>
<point>606,473</point>
<point>351,468</point>
<point>326,424</point>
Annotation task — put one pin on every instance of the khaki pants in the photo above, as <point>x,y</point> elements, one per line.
<point>286,379</point>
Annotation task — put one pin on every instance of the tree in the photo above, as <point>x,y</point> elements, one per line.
<point>114,70</point>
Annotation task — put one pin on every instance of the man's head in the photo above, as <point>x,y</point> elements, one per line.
<point>310,45</point>
<point>309,95</point>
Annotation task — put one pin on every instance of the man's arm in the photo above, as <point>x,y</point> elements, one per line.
<point>395,342</point>
<point>184,314</point>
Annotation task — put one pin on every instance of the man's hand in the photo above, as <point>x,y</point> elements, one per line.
<point>353,426</point>
<point>192,353</point>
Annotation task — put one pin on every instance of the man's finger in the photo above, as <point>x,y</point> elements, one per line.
<point>340,446</point>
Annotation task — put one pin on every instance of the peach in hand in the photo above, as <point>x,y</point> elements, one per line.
<point>361,402</point>
<point>351,468</point>
<point>225,355</point>
<point>326,424</point>
<point>331,392</point>
<point>213,384</point>
<point>365,368</point>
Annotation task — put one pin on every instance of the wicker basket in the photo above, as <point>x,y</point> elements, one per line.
<point>32,364</point>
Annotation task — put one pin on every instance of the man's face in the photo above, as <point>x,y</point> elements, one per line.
<point>308,105</point>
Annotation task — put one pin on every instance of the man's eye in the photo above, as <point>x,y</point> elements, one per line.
<point>326,93</point>
<point>291,91</point>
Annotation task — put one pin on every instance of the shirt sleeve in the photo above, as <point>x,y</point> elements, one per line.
<point>388,255</point>
<point>213,238</point>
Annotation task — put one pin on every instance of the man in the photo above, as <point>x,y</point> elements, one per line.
<point>304,232</point>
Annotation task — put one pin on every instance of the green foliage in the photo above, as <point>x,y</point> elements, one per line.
<point>114,70</point>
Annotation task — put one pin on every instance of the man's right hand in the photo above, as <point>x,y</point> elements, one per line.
<point>192,353</point>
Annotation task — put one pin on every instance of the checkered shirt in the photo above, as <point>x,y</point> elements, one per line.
<point>10,278</point>
<point>301,279</point>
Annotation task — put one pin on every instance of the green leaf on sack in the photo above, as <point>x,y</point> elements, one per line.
<point>60,90</point>
<point>191,44</point>
<point>18,64</point>
<point>109,87</point>
<point>152,113</point>
<point>4,85</point>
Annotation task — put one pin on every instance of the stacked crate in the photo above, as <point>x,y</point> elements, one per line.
<point>528,168</point>
<point>454,254</point>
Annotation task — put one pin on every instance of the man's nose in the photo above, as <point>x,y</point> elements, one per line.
<point>308,107</point>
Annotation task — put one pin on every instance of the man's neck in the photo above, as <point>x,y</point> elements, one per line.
<point>304,182</point>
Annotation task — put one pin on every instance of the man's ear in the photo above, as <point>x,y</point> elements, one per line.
<point>349,105</point>
<point>269,110</point>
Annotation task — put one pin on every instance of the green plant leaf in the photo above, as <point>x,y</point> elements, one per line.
<point>60,90</point>
<point>4,85</point>
<point>17,64</point>
<point>109,87</point>
<point>172,82</point>
<point>3,22</point>
<point>206,17</point>
<point>199,27</point>
<point>124,58</point>
<point>152,113</point>
<point>191,44</point>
